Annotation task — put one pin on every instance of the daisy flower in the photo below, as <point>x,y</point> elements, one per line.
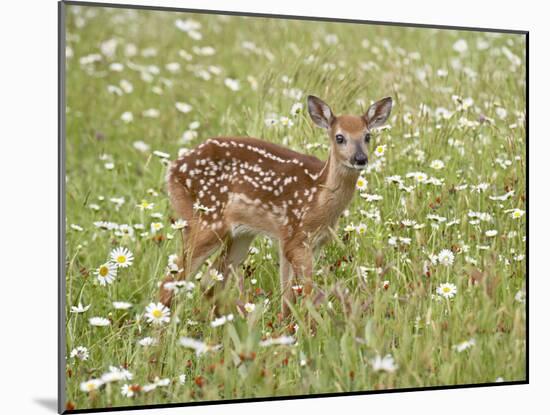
<point>156,226</point>
<point>145,205</point>
<point>437,165</point>
<point>198,346</point>
<point>121,305</point>
<point>249,307</point>
<point>127,391</point>
<point>380,150</point>
<point>122,257</point>
<point>91,385</point>
<point>232,84</point>
<point>386,364</point>
<point>147,341</point>
<point>491,233</point>
<point>182,379</point>
<point>127,117</point>
<point>446,257</point>
<point>183,107</point>
<point>106,273</point>
<point>296,108</point>
<point>447,290</point>
<point>80,353</point>
<point>157,313</point>
<point>80,308</point>
<point>465,345</point>
<point>282,340</point>
<point>99,321</point>
<point>361,184</point>
<point>179,224</point>
<point>218,276</point>
<point>220,321</point>
<point>517,213</point>
<point>361,229</point>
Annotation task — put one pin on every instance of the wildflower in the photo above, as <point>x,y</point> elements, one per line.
<point>80,353</point>
<point>147,341</point>
<point>198,346</point>
<point>491,233</point>
<point>127,117</point>
<point>182,378</point>
<point>361,229</point>
<point>517,213</point>
<point>282,340</point>
<point>77,228</point>
<point>141,146</point>
<point>437,164</point>
<point>106,273</point>
<point>286,122</point>
<point>249,307</point>
<point>232,84</point>
<point>216,275</point>
<point>161,154</point>
<point>157,314</point>
<point>116,374</point>
<point>447,290</point>
<point>183,107</point>
<point>296,109</point>
<point>446,257</point>
<point>520,296</point>
<point>220,321</point>
<point>122,257</point>
<point>99,321</point>
<point>121,305</point>
<point>156,226</point>
<point>91,385</point>
<point>460,46</point>
<point>80,308</point>
<point>380,150</point>
<point>128,391</point>
<point>361,184</point>
<point>386,364</point>
<point>465,345</point>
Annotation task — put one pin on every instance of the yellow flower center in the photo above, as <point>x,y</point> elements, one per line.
<point>157,313</point>
<point>90,386</point>
<point>103,271</point>
<point>446,289</point>
<point>121,259</point>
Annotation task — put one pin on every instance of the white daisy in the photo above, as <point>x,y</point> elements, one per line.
<point>380,150</point>
<point>122,257</point>
<point>121,305</point>
<point>281,340</point>
<point>156,226</point>
<point>182,379</point>
<point>446,257</point>
<point>91,385</point>
<point>145,205</point>
<point>386,364</point>
<point>99,321</point>
<point>216,275</point>
<point>179,224</point>
<point>361,184</point>
<point>147,341</point>
<point>198,346</point>
<point>465,345</point>
<point>517,213</point>
<point>106,273</point>
<point>80,308</point>
<point>437,164</point>
<point>183,107</point>
<point>80,353</point>
<point>249,307</point>
<point>491,233</point>
<point>157,313</point>
<point>232,84</point>
<point>447,290</point>
<point>127,391</point>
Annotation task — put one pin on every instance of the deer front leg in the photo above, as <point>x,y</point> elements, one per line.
<point>285,273</point>
<point>300,258</point>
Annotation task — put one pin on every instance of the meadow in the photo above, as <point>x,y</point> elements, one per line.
<point>425,278</point>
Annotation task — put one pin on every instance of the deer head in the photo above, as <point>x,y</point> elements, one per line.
<point>349,134</point>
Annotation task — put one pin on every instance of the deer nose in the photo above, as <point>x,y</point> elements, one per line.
<point>360,159</point>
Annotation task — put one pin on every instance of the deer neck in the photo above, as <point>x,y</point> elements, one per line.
<point>337,185</point>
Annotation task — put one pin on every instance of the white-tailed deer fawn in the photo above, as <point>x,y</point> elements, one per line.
<point>231,189</point>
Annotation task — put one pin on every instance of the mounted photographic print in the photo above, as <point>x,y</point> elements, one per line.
<point>259,207</point>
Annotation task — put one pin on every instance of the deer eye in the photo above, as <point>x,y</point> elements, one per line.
<point>340,138</point>
<point>367,138</point>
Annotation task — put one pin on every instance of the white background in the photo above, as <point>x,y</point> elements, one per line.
<point>28,251</point>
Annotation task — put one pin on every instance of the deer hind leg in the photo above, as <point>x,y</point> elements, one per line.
<point>234,252</point>
<point>198,247</point>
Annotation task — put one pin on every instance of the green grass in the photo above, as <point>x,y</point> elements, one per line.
<point>360,319</point>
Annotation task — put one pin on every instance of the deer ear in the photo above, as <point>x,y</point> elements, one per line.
<point>319,112</point>
<point>378,113</point>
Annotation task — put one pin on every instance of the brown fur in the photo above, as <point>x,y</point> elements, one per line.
<point>246,186</point>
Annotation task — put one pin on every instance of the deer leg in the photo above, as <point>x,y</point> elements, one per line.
<point>234,252</point>
<point>300,258</point>
<point>199,247</point>
<point>285,273</point>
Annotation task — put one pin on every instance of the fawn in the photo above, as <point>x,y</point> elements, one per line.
<point>231,189</point>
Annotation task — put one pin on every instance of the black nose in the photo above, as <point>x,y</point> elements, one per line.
<point>360,159</point>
